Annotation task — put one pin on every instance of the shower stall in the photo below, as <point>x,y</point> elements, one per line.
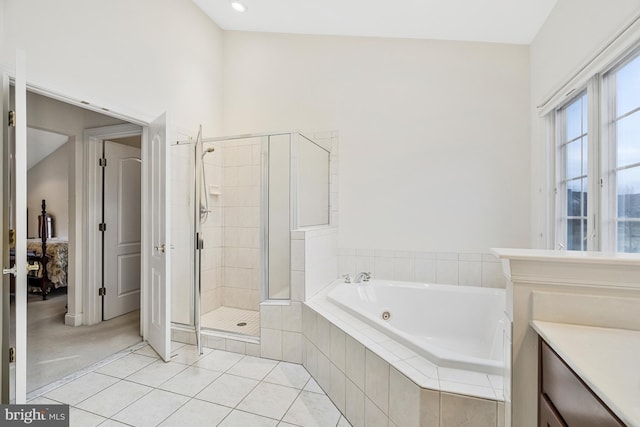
<point>235,201</point>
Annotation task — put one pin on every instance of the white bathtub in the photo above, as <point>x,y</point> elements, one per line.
<point>452,326</point>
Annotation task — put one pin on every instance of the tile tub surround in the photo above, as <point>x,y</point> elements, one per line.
<point>371,377</point>
<point>445,268</point>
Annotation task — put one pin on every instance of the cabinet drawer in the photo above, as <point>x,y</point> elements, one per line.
<point>548,415</point>
<point>574,400</point>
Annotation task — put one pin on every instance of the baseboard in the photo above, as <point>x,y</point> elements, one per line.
<point>73,319</point>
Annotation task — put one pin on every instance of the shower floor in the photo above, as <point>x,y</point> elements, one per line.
<point>228,318</point>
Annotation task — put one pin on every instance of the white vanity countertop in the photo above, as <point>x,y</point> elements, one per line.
<point>607,360</point>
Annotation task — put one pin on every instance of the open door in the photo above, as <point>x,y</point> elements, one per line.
<point>155,214</point>
<point>5,319</point>
<point>121,209</point>
<point>14,235</point>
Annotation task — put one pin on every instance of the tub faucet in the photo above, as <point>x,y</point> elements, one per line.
<point>362,277</point>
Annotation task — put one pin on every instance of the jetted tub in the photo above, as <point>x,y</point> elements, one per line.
<point>452,326</point>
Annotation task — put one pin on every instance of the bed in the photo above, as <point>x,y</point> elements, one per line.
<point>52,266</point>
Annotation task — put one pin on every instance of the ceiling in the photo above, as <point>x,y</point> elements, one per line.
<point>499,21</point>
<point>41,143</point>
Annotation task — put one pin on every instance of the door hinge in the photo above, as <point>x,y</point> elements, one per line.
<point>12,118</point>
<point>102,162</point>
<point>601,183</point>
<point>102,227</point>
<point>102,291</point>
<point>12,354</point>
<point>12,239</point>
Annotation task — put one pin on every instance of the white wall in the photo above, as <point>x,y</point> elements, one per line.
<point>433,134</point>
<point>49,180</point>
<point>135,57</point>
<point>573,34</point>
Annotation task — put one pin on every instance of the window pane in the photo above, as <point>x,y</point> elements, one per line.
<point>574,159</point>
<point>574,148</point>
<point>575,197</point>
<point>584,197</point>
<point>628,139</point>
<point>628,87</point>
<point>628,236</point>
<point>574,120</point>
<point>576,232</point>
<point>628,189</point>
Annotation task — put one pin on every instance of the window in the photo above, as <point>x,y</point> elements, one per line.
<point>572,170</point>
<point>597,136</point>
<point>623,121</point>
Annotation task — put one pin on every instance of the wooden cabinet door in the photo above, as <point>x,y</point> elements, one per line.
<point>548,415</point>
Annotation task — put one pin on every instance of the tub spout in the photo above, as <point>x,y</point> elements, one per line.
<point>362,277</point>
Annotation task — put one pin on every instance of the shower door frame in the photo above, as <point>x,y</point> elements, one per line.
<point>264,214</point>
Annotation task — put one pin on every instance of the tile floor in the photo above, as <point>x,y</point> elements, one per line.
<point>218,388</point>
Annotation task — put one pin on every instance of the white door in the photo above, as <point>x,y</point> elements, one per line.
<point>155,215</point>
<point>4,248</point>
<point>14,217</point>
<point>121,204</point>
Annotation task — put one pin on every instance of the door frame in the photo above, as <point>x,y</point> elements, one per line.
<point>93,138</point>
<point>143,121</point>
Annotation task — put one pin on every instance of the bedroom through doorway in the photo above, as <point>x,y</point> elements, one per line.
<point>61,339</point>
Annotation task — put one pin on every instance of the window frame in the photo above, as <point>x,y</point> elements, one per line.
<point>559,121</point>
<point>602,218</point>
<point>609,166</point>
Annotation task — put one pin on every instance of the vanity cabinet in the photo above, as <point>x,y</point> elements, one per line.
<point>564,399</point>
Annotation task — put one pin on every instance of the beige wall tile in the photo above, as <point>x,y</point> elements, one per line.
<point>373,416</point>
<point>292,317</point>
<point>354,402</point>
<point>271,316</point>
<point>337,389</point>
<point>354,362</point>
<point>324,371</point>
<point>377,380</point>
<point>292,347</point>
<point>457,411</point>
<point>404,400</point>
<point>271,343</point>
<point>324,334</point>
<point>429,408</point>
<point>338,347</point>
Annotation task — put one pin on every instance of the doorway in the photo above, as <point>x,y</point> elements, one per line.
<point>56,345</point>
<point>155,243</point>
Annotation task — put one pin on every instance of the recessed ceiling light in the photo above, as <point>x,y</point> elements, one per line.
<point>238,6</point>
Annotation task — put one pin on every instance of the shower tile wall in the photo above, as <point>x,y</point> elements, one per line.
<point>241,224</point>
<point>212,234</point>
